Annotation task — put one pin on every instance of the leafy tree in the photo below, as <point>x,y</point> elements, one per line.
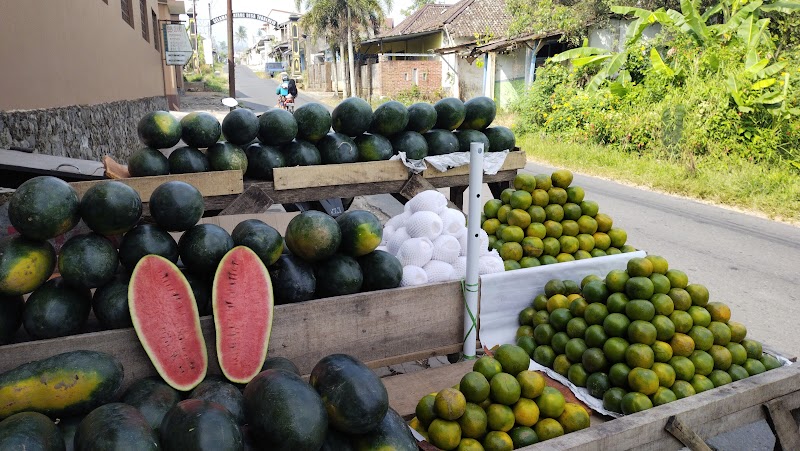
<point>414,6</point>
<point>241,35</point>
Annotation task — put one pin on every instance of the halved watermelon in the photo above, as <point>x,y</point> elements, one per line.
<point>243,304</point>
<point>166,320</point>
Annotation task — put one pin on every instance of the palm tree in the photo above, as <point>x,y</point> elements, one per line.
<point>241,34</point>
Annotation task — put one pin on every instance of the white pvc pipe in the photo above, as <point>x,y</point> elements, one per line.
<point>473,248</point>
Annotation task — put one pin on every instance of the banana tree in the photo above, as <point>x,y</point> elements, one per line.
<point>611,62</point>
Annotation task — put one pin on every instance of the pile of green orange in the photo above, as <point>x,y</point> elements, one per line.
<point>639,338</point>
<point>543,220</point>
<point>500,405</point>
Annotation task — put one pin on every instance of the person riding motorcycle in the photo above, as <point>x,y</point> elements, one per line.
<point>286,91</point>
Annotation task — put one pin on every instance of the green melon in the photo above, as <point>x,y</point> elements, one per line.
<point>468,136</point>
<point>223,393</point>
<point>450,113</point>
<point>175,206</point>
<point>184,160</point>
<point>44,207</point>
<point>412,143</point>
<point>146,239</point>
<point>201,288</point>
<point>56,309</point>
<point>200,129</point>
<point>195,424</point>
<point>313,236</point>
<point>391,433</point>
<point>261,160</point>
<point>293,279</point>
<point>362,232</point>
<point>110,304</point>
<point>259,236</point>
<point>240,126</point>
<point>421,117</point>
<point>24,264</point>
<point>336,148</point>
<point>352,116</point>
<point>284,412</point>
<point>281,363</point>
<point>373,147</point>
<point>276,127</point>
<point>147,162</point>
<point>87,261</point>
<point>301,153</point>
<point>500,138</point>
<point>30,431</point>
<point>389,118</point>
<point>381,271</point>
<point>203,246</point>
<point>153,398</point>
<point>224,156</point>
<point>159,130</point>
<point>115,426</point>
<point>11,308</point>
<point>338,275</point>
<point>479,112</point>
<point>68,426</point>
<point>441,142</point>
<point>313,122</point>
<point>111,208</point>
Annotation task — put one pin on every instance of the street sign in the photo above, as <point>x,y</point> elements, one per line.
<point>177,48</point>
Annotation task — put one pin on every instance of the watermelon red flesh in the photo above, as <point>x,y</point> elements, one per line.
<point>243,308</point>
<point>164,314</point>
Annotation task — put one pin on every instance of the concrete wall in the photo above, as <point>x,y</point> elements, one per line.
<point>509,77</point>
<point>614,35</point>
<point>76,52</point>
<point>470,78</point>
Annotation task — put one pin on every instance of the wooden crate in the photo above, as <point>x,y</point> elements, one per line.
<point>380,328</point>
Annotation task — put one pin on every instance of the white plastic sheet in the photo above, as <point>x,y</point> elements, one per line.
<point>492,161</point>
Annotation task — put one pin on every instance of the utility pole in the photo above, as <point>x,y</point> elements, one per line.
<point>231,70</point>
<point>196,38</point>
<point>210,37</point>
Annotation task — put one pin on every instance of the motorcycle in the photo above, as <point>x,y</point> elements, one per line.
<point>333,206</point>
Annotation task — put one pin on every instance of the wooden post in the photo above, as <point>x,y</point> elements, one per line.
<point>231,69</point>
<point>780,420</point>
<point>687,436</point>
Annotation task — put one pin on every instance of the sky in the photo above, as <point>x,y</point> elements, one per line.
<point>218,8</point>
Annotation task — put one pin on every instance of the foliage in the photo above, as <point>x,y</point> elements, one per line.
<point>241,35</point>
<point>414,94</point>
<point>414,6</point>
<point>712,84</point>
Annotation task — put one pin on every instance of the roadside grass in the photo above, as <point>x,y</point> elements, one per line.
<point>771,191</point>
<point>216,83</point>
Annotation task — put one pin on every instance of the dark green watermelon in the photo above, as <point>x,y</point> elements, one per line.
<point>361,230</point>
<point>146,239</point>
<point>467,136</point>
<point>115,426</point>
<point>184,160</point>
<point>381,271</point>
<point>421,117</point>
<point>500,138</point>
<point>261,160</point>
<point>412,143</point>
<point>354,396</point>
<point>159,130</point>
<point>32,431</point>
<point>389,118</point>
<point>259,236</point>
<point>338,275</point>
<point>203,246</point>
<point>352,116</point>
<point>392,433</point>
<point>11,308</point>
<point>56,309</point>
<point>293,279</point>
<point>337,441</point>
<point>88,261</point>
<point>176,206</point>
<point>224,156</point>
<point>111,208</point>
<point>153,398</point>
<point>284,412</point>
<point>337,148</point>
<point>195,424</point>
<point>240,126</point>
<point>301,153</point>
<point>200,129</point>
<point>201,288</point>
<point>223,393</point>
<point>110,303</point>
<point>441,142</point>
<point>276,126</point>
<point>479,112</point>
<point>25,264</point>
<point>280,363</point>
<point>373,147</point>
<point>450,113</point>
<point>147,162</point>
<point>68,426</point>
<point>44,207</point>
<point>313,122</point>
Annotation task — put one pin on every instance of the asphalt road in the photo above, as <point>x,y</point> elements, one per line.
<point>259,94</point>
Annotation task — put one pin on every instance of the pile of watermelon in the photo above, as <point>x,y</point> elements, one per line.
<point>258,144</point>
